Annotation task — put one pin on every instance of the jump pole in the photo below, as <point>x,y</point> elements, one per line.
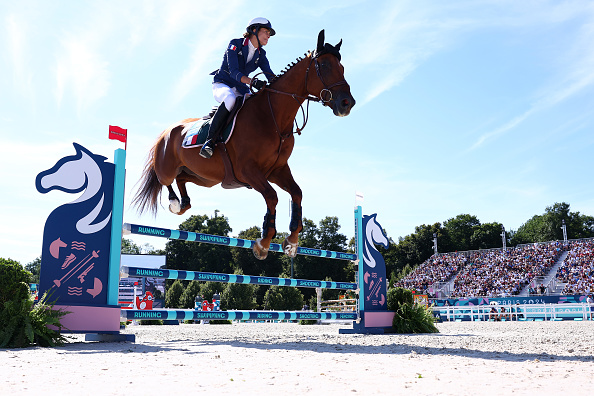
<point>227,241</point>
<point>228,278</point>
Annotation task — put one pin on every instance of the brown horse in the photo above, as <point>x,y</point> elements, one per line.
<point>259,148</point>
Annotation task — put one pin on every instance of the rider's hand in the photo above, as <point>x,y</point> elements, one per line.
<point>258,84</point>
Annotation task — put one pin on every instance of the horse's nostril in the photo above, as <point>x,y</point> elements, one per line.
<point>345,102</point>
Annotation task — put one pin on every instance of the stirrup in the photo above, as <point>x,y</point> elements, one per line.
<point>206,150</point>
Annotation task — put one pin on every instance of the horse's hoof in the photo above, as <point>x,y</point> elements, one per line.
<point>289,248</point>
<point>174,206</point>
<point>184,209</point>
<point>259,251</point>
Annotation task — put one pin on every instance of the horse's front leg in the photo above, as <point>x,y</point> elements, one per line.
<point>283,178</point>
<point>260,184</point>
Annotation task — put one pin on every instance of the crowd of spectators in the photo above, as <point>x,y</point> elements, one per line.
<point>438,268</point>
<point>493,273</point>
<point>505,273</point>
<point>577,270</point>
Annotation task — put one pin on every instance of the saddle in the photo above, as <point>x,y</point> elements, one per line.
<point>195,135</point>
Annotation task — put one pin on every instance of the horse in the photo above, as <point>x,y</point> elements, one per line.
<point>259,147</point>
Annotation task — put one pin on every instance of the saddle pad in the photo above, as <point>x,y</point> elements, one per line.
<point>195,133</point>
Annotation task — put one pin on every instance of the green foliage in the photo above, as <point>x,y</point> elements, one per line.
<point>547,227</point>
<point>192,256</point>
<point>147,322</point>
<point>322,236</point>
<point>129,247</point>
<point>280,298</point>
<point>313,303</point>
<point>409,317</point>
<point>219,322</point>
<point>413,318</point>
<point>24,323</point>
<point>173,295</point>
<point>188,296</point>
<point>238,295</point>
<point>34,267</point>
<point>209,289</point>
<point>14,280</point>
<point>398,296</point>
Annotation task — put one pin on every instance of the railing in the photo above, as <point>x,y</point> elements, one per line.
<point>518,312</point>
<point>343,305</point>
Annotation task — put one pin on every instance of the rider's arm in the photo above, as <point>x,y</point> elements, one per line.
<point>233,63</point>
<point>265,67</point>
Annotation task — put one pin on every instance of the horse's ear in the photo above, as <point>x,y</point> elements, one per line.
<point>338,45</point>
<point>320,46</point>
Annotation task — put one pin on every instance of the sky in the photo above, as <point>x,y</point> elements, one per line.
<point>478,107</point>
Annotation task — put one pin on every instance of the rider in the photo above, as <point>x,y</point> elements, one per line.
<point>243,56</point>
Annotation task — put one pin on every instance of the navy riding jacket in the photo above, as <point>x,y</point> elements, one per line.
<point>234,65</point>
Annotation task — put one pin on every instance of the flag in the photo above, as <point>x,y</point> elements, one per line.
<point>117,133</point>
<point>358,196</point>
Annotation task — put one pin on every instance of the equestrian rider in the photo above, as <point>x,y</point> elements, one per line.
<point>243,56</point>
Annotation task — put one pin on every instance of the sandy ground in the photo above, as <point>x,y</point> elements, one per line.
<point>523,358</point>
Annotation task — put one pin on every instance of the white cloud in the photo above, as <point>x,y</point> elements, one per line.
<point>575,75</point>
<point>17,42</point>
<point>82,70</point>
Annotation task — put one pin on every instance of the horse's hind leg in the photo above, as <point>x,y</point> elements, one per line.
<point>185,198</point>
<point>174,205</point>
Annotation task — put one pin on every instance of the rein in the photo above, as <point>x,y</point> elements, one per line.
<point>308,98</point>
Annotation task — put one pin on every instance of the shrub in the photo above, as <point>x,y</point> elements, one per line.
<point>14,280</point>
<point>414,318</point>
<point>398,296</point>
<point>409,317</point>
<point>24,323</point>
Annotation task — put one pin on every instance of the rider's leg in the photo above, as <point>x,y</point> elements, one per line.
<point>226,95</point>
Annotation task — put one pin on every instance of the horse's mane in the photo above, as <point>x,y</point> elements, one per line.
<point>290,66</point>
<point>321,50</point>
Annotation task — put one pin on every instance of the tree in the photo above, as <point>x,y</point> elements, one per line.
<point>173,295</point>
<point>195,256</point>
<point>460,230</point>
<point>547,227</point>
<point>188,296</point>
<point>34,267</point>
<point>239,295</point>
<point>244,260</point>
<point>129,247</point>
<point>280,298</point>
<point>487,236</point>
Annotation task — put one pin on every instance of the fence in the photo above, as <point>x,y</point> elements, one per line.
<point>518,312</point>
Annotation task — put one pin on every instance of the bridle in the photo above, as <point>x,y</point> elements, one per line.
<point>309,98</point>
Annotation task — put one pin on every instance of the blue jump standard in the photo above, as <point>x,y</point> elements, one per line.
<point>227,278</point>
<point>228,241</point>
<point>190,314</point>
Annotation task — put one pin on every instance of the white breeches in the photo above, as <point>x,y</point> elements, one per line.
<point>224,93</point>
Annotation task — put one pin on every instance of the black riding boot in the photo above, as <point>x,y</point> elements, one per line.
<point>216,124</point>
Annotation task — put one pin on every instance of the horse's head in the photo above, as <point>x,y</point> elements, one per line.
<point>328,82</point>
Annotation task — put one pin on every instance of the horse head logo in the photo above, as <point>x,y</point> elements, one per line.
<point>374,235</point>
<point>74,174</point>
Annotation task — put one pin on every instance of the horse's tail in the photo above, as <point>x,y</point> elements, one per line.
<point>149,192</point>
